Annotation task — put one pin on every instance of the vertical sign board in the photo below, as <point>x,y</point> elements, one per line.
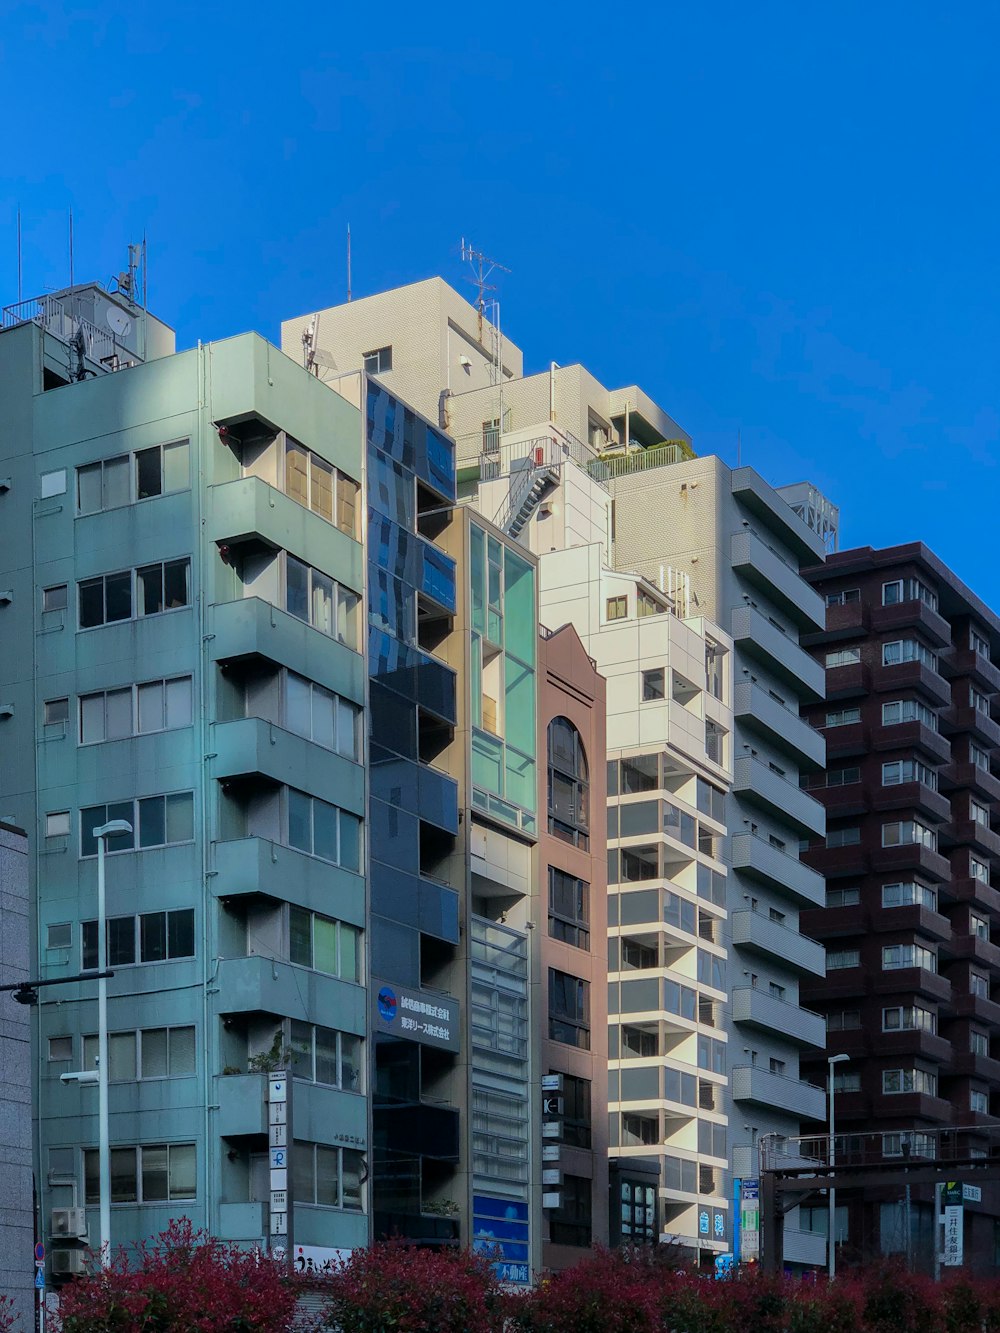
<point>501,1234</point>
<point>749,1221</point>
<point>954,1228</point>
<point>279,1140</point>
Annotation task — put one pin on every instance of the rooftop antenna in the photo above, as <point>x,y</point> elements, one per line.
<point>313,357</point>
<point>19,284</point>
<point>482,266</point>
<point>71,249</point>
<point>348,262</point>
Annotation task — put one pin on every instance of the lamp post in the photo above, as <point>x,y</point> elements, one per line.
<point>831,1246</point>
<point>115,828</point>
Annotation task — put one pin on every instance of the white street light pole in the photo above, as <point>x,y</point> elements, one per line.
<point>831,1243</point>
<point>115,828</point>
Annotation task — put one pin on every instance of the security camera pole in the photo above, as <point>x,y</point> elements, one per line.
<point>115,828</point>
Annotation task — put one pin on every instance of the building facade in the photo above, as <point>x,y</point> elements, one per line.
<point>910,859</point>
<point>182,548</point>
<point>17,1227</point>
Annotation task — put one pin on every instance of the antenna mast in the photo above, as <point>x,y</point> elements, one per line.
<point>19,255</point>
<point>482,266</point>
<point>348,262</point>
<point>71,248</point>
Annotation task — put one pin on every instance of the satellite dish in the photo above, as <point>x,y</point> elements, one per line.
<point>118,322</point>
<point>323,358</point>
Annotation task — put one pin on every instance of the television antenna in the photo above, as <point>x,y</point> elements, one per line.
<point>482,267</point>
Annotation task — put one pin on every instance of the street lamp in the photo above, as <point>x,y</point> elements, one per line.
<point>115,828</point>
<point>831,1248</point>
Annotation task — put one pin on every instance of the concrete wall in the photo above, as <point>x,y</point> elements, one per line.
<point>17,1223</point>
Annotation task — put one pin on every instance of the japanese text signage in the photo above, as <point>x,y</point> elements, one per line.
<point>420,1015</point>
<point>954,1225</point>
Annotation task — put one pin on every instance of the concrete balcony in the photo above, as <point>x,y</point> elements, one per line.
<point>804,1247</point>
<point>251,745</point>
<point>899,617</point>
<point>322,1114</point>
<point>773,512</point>
<point>911,856</point>
<point>911,797</point>
<point>751,1083</point>
<point>251,627</point>
<point>251,510</point>
<point>911,675</point>
<point>762,567</point>
<point>757,859</point>
<point>966,662</point>
<point>757,783</point>
<point>757,1009</point>
<point>968,719</point>
<point>756,933</point>
<point>966,831</point>
<point>849,681</point>
<point>761,713</point>
<point>258,868</point>
<point>964,773</point>
<point>916,734</point>
<point>271,986</point>
<point>780,654</point>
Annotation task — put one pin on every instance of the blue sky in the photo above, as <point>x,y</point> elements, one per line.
<point>780,219</point>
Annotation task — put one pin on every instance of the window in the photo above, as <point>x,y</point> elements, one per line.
<point>979,1042</point>
<point>638,1044</point>
<point>978,643</point>
<point>846,1080</point>
<point>843,897</point>
<point>979,757</point>
<point>576,1125</point>
<point>60,1048</point>
<point>153,937</point>
<point>58,935</point>
<point>839,958</point>
<point>908,590</point>
<point>108,484</point>
<point>909,1018</point>
<point>712,1054</point>
<point>324,1055</point>
<point>569,784</point>
<point>315,484</point>
<point>157,821</point>
<point>616,608</point>
<point>714,656</point>
<point>647,606</point>
<point>843,657</point>
<point>156,705</point>
<point>714,742</point>
<point>569,908</point>
<point>908,710</point>
<point>639,1224</point>
<point>57,824</point>
<point>908,650</point>
<point>843,837</point>
<point>843,1020</point>
<point>157,588</point>
<point>908,1144</point>
<point>979,870</point>
<point>153,1173</point>
<point>895,956</point>
<point>711,801</point>
<point>712,1137</point>
<point>843,717</point>
<point>909,894</point>
<point>323,830</point>
<point>571,1223</point>
<point>52,483</point>
<point>908,770</point>
<point>979,926</point>
<point>844,597</point>
<point>55,598</point>
<point>653,686</point>
<point>909,1080</point>
<point>149,1053</point>
<point>322,716</point>
<point>569,1009</point>
<point>979,1102</point>
<point>979,701</point>
<point>315,598</point>
<point>379,361</point>
<point>55,711</point>
<point>980,814</point>
<point>324,944</point>
<point>908,831</point>
<point>330,1177</point>
<point>843,777</point>
<point>979,985</point>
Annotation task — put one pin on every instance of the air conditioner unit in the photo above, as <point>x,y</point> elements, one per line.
<point>69,1222</point>
<point>67,1263</point>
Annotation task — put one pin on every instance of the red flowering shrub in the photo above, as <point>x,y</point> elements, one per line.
<point>184,1281</point>
<point>615,1292</point>
<point>391,1287</point>
<point>897,1301</point>
<point>9,1320</point>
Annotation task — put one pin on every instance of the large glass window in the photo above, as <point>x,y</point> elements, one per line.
<point>322,943</point>
<point>572,1222</point>
<point>569,1009</point>
<point>152,1173</point>
<point>113,482</point>
<point>569,908</point>
<point>569,784</point>
<point>324,1055</point>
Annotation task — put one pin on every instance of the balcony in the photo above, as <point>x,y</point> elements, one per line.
<point>843,802</point>
<point>899,617</point>
<point>917,1043</point>
<point>751,1083</point>
<point>785,801</point>
<point>258,868</point>
<point>845,742</point>
<point>977,1007</point>
<point>912,676</point>
<point>910,917</point>
<point>807,1248</point>
<point>901,1107</point>
<point>974,891</point>
<point>773,512</point>
<point>850,681</point>
<point>756,933</point>
<point>757,859</point>
<point>972,949</point>
<point>322,1114</point>
<point>251,627</point>
<point>970,831</point>
<point>915,981</point>
<point>251,746</point>
<point>966,662</point>
<point>969,1065</point>
<point>762,567</point>
<point>778,653</point>
<point>416,1228</point>
<point>251,510</point>
<point>755,1008</point>
<point>907,735</point>
<point>759,711</point>
<point>848,620</point>
<point>911,856</point>
<point>422,1128</point>
<point>271,986</point>
<point>911,796</point>
<point>963,773</point>
<point>955,720</point>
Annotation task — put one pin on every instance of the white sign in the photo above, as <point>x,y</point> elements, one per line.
<point>279,1157</point>
<point>279,1178</point>
<point>972,1194</point>
<point>278,1136</point>
<point>550,1152</point>
<point>749,1220</point>
<point>279,1201</point>
<point>552,1176</point>
<point>552,1083</point>
<point>552,1200</point>
<point>318,1258</point>
<point>552,1129</point>
<point>279,1224</point>
<point>277,1113</point>
<point>953,1236</point>
<point>277,1089</point>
